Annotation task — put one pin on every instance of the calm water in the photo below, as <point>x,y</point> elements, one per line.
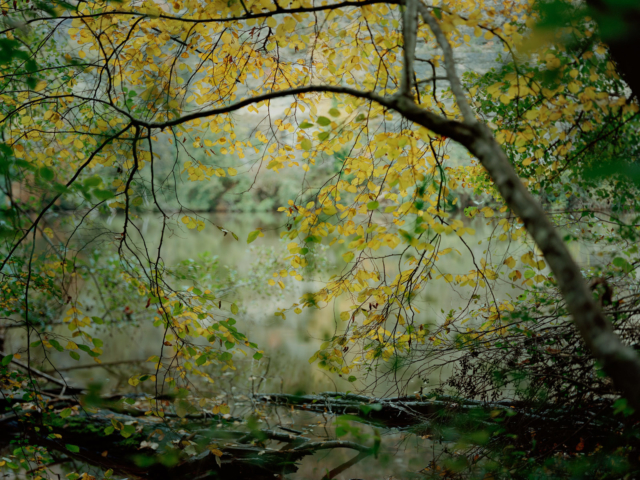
<point>288,343</point>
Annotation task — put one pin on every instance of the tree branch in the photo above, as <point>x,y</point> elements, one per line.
<point>409,32</point>
<point>450,65</point>
<point>53,201</point>
<point>248,16</point>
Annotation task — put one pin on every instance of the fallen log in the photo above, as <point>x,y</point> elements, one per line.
<point>450,419</point>
<point>150,447</point>
<point>391,412</point>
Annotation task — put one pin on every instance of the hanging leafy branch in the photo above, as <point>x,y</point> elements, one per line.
<point>108,106</point>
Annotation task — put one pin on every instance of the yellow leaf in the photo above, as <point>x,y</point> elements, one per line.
<point>487,212</point>
<point>272,22</point>
<point>232,172</point>
<point>215,451</point>
<point>329,210</point>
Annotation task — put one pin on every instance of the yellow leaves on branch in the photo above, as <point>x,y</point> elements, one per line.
<point>202,172</point>
<point>394,185</point>
<point>193,223</point>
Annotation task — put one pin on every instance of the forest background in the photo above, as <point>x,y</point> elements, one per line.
<point>243,239</point>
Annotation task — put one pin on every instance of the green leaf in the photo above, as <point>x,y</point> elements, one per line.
<point>253,235</point>
<point>622,263</point>
<point>234,308</point>
<point>98,320</point>
<point>372,205</point>
<point>88,351</point>
<point>103,195</point>
<point>109,430</point>
<point>6,360</point>
<point>201,360</point>
<point>334,112</point>
<point>621,406</point>
<point>93,181</point>
<point>323,136</point>
<point>128,430</point>
<point>73,448</point>
<point>306,124</point>
<point>61,189</point>
<point>367,408</point>
<point>65,413</point>
<point>47,174</point>
<point>74,355</point>
<point>352,379</point>
<point>360,117</point>
<point>257,356</point>
<point>323,121</point>
<point>306,144</point>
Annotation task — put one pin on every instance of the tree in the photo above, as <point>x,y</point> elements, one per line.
<point>100,100</point>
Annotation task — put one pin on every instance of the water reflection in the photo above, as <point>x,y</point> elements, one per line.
<point>288,343</point>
